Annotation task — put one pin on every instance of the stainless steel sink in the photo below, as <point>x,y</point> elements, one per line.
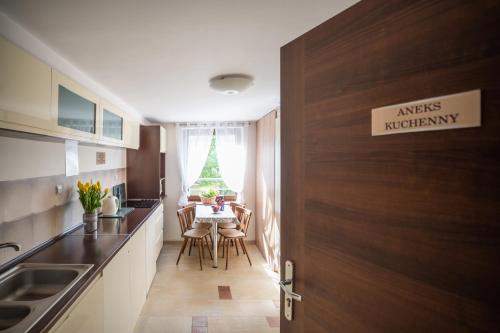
<point>28,291</point>
<point>12,315</point>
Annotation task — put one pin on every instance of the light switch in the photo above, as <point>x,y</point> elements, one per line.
<point>100,157</point>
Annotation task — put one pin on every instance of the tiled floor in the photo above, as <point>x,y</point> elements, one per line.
<point>185,299</point>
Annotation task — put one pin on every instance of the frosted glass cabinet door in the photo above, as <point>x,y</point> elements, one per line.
<point>112,125</point>
<point>75,111</point>
<point>25,93</point>
<point>75,108</point>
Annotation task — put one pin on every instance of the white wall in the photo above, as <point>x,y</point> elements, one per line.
<point>31,166</point>
<point>24,39</point>
<point>36,156</point>
<point>173,185</point>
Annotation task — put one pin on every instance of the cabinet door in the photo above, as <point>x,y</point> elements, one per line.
<point>158,227</point>
<point>153,232</point>
<point>116,278</point>
<point>138,272</point>
<point>74,107</point>
<point>163,140</point>
<point>87,314</point>
<point>25,89</point>
<point>111,128</point>
<point>132,133</point>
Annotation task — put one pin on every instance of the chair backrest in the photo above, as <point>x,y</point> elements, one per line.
<point>190,204</point>
<point>233,206</point>
<point>186,217</point>
<point>244,216</point>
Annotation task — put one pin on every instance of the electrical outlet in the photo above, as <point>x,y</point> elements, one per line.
<point>59,189</point>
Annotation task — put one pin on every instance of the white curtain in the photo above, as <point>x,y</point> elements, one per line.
<point>232,146</point>
<point>193,145</point>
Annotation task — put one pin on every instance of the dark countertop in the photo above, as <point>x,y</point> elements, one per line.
<point>77,247</point>
<point>126,226</point>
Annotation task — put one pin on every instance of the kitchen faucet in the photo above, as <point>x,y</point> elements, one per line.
<point>15,246</point>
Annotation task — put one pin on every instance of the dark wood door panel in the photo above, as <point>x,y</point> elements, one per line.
<point>401,233</point>
<point>367,298</point>
<point>292,237</point>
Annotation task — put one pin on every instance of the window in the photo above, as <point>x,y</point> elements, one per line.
<point>210,177</point>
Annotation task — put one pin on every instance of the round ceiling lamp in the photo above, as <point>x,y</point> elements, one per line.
<point>231,84</point>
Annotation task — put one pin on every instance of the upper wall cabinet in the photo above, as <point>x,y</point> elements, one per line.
<point>111,128</point>
<point>163,140</point>
<point>36,98</point>
<point>24,89</point>
<point>132,130</point>
<point>75,108</point>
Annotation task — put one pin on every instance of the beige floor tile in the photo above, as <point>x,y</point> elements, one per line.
<point>165,324</point>
<point>244,324</point>
<point>180,292</point>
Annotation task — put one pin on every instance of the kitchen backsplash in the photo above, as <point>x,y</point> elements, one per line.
<point>31,212</point>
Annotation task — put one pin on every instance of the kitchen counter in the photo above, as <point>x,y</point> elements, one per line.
<point>126,226</point>
<point>77,247</point>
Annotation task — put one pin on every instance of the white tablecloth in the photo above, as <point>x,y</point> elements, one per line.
<point>206,215</point>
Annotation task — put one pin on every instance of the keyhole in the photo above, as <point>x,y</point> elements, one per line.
<point>289,302</point>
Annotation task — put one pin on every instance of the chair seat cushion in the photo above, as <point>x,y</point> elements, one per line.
<point>231,233</point>
<point>196,233</point>
<point>227,225</point>
<point>201,225</point>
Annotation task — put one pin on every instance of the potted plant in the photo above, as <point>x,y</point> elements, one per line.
<point>90,196</point>
<point>208,197</point>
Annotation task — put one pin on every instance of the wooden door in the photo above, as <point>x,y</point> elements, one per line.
<point>396,233</point>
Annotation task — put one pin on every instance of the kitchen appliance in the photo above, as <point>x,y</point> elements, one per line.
<point>120,193</point>
<point>110,205</point>
<point>141,203</point>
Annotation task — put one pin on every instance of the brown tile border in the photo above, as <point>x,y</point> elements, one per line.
<point>199,329</point>
<point>273,321</point>
<point>200,321</point>
<point>225,292</point>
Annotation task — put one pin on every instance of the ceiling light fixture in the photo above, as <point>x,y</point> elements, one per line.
<point>231,84</point>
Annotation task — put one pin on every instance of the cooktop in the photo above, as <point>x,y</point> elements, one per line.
<point>141,203</point>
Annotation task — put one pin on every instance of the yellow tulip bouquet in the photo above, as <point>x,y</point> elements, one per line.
<point>90,196</point>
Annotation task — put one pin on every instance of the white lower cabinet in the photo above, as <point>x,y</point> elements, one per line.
<point>115,299</point>
<point>137,259</point>
<point>154,243</point>
<point>86,314</point>
<point>117,307</point>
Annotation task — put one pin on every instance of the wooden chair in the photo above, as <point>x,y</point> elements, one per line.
<point>185,216</point>
<point>231,225</point>
<point>189,212</point>
<point>193,225</point>
<point>237,235</point>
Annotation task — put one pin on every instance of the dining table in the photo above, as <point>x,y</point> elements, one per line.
<point>205,214</point>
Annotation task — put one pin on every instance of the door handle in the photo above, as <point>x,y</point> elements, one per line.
<point>284,286</point>
<point>287,286</point>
